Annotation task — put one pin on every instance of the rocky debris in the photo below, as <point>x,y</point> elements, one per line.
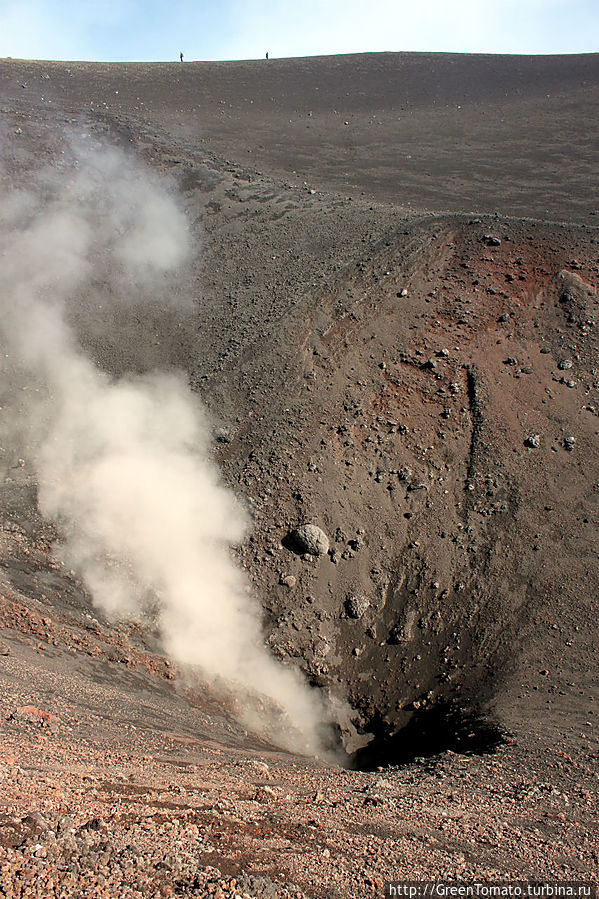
<point>569,443</point>
<point>491,241</point>
<point>578,300</point>
<point>357,543</point>
<point>171,821</point>
<point>262,887</point>
<point>310,539</point>
<point>15,831</point>
<point>33,715</point>
<point>356,606</point>
<point>265,794</point>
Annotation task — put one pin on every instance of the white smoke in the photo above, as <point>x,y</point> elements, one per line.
<point>124,465</point>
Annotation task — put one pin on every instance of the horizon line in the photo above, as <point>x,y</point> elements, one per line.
<point>176,61</point>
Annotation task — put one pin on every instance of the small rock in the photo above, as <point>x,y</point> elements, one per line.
<point>223,435</point>
<point>12,832</point>
<point>94,824</point>
<point>383,782</point>
<point>36,820</point>
<point>65,824</point>
<point>491,241</point>
<point>33,826</point>
<point>533,441</point>
<point>264,794</point>
<point>564,364</point>
<point>288,580</point>
<point>569,443</point>
<point>356,606</point>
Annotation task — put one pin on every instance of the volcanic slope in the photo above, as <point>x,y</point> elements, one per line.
<point>395,275</point>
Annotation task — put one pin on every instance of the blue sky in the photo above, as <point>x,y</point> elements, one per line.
<point>156,30</point>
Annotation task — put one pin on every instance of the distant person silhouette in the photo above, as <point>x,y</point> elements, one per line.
<point>181,57</point>
<point>267,54</point>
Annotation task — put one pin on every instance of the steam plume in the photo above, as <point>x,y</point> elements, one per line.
<point>123,464</point>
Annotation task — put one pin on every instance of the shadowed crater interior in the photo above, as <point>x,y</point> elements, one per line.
<point>431,731</point>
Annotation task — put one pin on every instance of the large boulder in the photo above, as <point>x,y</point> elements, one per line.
<point>309,538</point>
